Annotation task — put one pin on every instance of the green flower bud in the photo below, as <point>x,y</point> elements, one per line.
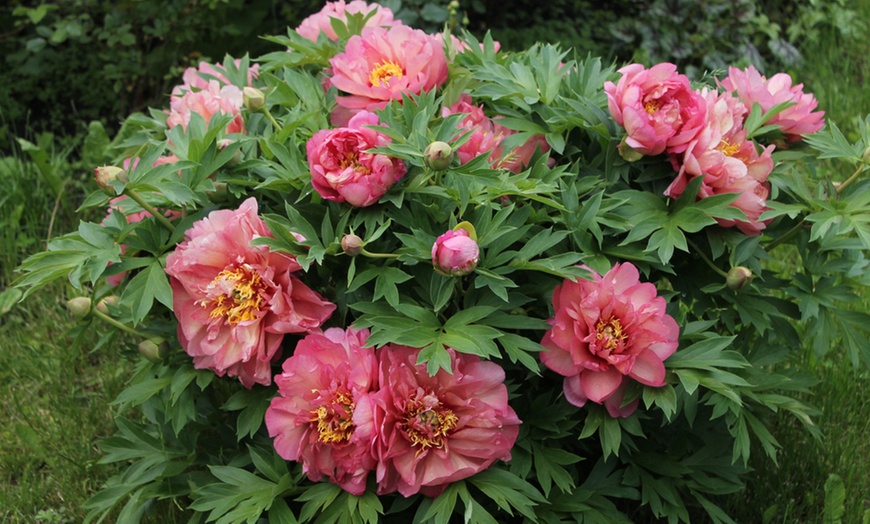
<point>738,278</point>
<point>104,175</point>
<point>154,349</point>
<point>254,99</point>
<point>866,155</point>
<point>79,306</point>
<point>104,304</point>
<point>438,155</point>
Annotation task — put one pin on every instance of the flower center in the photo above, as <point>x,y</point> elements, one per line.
<point>727,148</point>
<point>382,73</point>
<point>335,418</point>
<point>651,106</point>
<point>427,422</point>
<point>609,335</point>
<point>351,159</point>
<point>235,295</point>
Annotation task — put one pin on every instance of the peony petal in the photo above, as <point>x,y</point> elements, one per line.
<point>598,385</point>
<point>648,369</point>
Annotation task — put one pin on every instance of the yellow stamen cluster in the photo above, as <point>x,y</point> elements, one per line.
<point>651,107</point>
<point>727,148</point>
<point>383,72</point>
<point>352,160</point>
<point>610,332</point>
<point>335,419</point>
<point>427,427</point>
<point>243,302</point>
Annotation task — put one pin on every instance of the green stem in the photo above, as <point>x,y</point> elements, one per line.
<point>149,208</point>
<point>271,118</point>
<point>123,327</point>
<point>377,255</point>
<point>706,259</point>
<point>850,179</point>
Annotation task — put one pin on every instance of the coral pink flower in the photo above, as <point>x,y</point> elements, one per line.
<point>728,162</point>
<point>234,301</point>
<point>342,171</point>
<point>321,22</point>
<point>455,253</point>
<point>434,430</point>
<point>605,330</point>
<point>382,65</point>
<point>322,416</point>
<point>207,102</point>
<point>487,137</point>
<point>753,88</point>
<point>657,107</point>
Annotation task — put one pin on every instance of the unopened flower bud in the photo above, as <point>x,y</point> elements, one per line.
<point>866,155</point>
<point>456,253</point>
<point>154,349</point>
<point>104,304</point>
<point>438,155</point>
<point>79,306</point>
<point>352,245</point>
<point>253,98</point>
<point>738,277</point>
<point>219,194</point>
<point>104,175</point>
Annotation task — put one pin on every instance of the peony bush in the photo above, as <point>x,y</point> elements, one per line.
<point>382,275</point>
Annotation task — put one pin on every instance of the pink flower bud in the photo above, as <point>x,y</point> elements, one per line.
<point>79,306</point>
<point>738,277</point>
<point>455,253</point>
<point>352,245</point>
<point>104,304</point>
<point>104,175</point>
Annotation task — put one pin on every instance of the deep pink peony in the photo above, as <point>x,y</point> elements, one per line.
<point>657,107</point>
<point>753,88</point>
<point>322,416</point>
<point>605,330</point>
<point>342,171</point>
<point>436,430</point>
<point>487,137</point>
<point>208,102</point>
<point>383,64</point>
<point>320,22</point>
<point>455,253</point>
<point>728,161</point>
<point>234,301</point>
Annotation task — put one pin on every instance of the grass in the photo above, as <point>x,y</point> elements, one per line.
<point>57,384</point>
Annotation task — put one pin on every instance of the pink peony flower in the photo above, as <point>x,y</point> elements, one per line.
<point>234,301</point>
<point>320,22</point>
<point>728,162</point>
<point>487,136</point>
<point>657,107</point>
<point>383,64</point>
<point>197,78</point>
<point>209,101</point>
<point>322,416</point>
<point>342,170</point>
<point>455,253</point>
<point>753,88</point>
<point>434,430</point>
<point>605,330</point>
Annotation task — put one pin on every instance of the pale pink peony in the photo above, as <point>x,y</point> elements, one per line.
<point>728,161</point>
<point>208,102</point>
<point>383,64</point>
<point>434,430</point>
<point>752,88</point>
<point>657,107</point>
<point>487,137</point>
<point>234,301</point>
<point>322,415</point>
<point>198,78</point>
<point>320,22</point>
<point>342,170</point>
<point>455,253</point>
<point>605,330</point>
